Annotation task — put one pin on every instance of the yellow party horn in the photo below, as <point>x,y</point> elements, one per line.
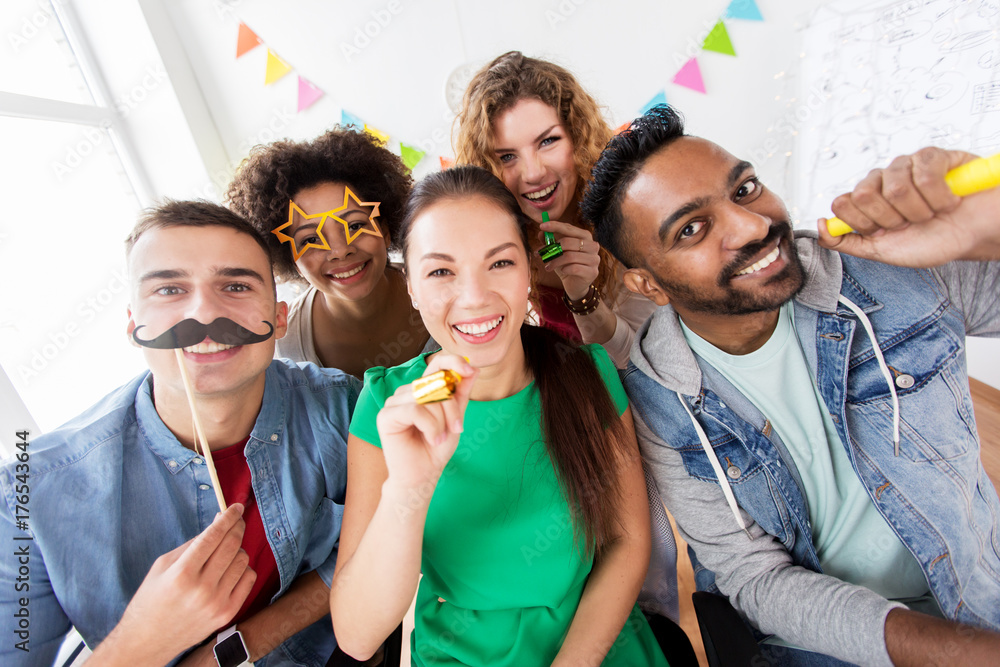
<point>436,387</point>
<point>967,179</point>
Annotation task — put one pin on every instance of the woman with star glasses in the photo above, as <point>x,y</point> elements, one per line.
<point>329,209</point>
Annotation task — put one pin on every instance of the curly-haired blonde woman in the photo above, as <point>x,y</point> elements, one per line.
<point>531,123</point>
<point>356,313</point>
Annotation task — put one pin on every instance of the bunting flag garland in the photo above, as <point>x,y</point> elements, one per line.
<point>689,76</point>
<point>308,94</point>
<point>247,40</point>
<point>350,121</point>
<point>743,9</point>
<point>411,156</point>
<point>276,68</point>
<point>659,98</point>
<point>718,40</point>
<point>381,137</point>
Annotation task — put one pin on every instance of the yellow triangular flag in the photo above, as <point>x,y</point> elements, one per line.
<point>276,68</point>
<point>382,137</point>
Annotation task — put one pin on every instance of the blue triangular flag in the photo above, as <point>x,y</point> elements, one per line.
<point>743,9</point>
<point>351,122</point>
<point>661,98</point>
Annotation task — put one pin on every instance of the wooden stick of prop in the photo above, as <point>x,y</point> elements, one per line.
<point>200,432</point>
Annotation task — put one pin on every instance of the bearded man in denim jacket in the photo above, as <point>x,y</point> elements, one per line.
<point>124,534</point>
<point>803,402</point>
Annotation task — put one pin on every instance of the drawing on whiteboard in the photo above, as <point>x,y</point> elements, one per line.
<point>986,97</point>
<point>902,75</point>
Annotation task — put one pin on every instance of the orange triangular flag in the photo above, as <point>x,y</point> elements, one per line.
<point>246,41</point>
<point>446,163</point>
<point>276,68</point>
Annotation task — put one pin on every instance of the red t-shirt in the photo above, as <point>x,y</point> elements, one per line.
<point>234,476</point>
<point>554,313</point>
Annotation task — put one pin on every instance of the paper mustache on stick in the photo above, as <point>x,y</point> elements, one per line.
<point>191,332</point>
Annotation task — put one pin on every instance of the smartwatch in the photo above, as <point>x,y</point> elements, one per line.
<point>229,649</point>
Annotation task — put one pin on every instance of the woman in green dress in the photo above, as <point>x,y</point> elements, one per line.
<point>521,499</point>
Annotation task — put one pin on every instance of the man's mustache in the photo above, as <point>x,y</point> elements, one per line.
<point>191,332</point>
<point>778,230</point>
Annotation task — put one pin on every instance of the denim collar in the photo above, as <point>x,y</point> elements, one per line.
<point>269,427</point>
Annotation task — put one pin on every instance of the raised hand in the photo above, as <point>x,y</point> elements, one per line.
<point>188,594</point>
<point>578,266</point>
<point>418,440</point>
<point>906,215</point>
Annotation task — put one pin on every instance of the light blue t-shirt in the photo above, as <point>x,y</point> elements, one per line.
<point>853,541</point>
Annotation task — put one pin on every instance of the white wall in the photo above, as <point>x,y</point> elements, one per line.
<point>193,110</point>
<point>624,52</point>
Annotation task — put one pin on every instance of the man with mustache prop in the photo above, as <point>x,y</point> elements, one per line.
<point>127,540</point>
<point>803,403</point>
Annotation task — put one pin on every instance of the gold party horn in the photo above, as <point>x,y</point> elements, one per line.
<point>436,387</point>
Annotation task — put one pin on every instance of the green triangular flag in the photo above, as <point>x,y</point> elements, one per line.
<point>718,40</point>
<point>411,156</point>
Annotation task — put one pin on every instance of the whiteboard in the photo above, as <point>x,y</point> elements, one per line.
<point>886,78</point>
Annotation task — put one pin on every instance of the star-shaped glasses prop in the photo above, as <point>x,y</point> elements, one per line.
<point>352,229</point>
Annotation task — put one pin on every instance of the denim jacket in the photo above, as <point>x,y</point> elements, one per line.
<point>934,494</point>
<point>113,489</point>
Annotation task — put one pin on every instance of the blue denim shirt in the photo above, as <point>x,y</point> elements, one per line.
<point>935,494</point>
<point>113,489</point>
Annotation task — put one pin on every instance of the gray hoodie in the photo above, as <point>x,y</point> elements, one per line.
<point>803,607</point>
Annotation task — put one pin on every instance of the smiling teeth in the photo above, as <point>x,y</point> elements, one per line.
<point>764,261</point>
<point>479,329</point>
<point>211,347</point>
<point>541,194</point>
<point>348,274</point>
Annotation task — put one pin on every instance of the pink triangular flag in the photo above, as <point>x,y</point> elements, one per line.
<point>308,94</point>
<point>689,76</point>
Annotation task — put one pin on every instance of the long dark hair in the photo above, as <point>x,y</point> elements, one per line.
<point>583,433</point>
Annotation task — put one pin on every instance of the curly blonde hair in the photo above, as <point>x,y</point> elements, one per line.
<point>511,78</point>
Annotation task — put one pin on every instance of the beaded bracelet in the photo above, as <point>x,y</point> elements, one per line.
<point>586,305</point>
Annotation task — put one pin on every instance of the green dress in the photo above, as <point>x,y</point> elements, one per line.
<point>502,571</point>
